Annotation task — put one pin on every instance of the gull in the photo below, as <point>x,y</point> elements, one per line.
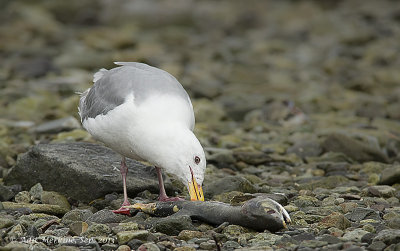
<point>144,113</point>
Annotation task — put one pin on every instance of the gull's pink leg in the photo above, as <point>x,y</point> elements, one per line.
<point>124,171</point>
<point>163,195</point>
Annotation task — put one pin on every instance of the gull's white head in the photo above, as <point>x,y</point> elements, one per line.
<point>181,154</point>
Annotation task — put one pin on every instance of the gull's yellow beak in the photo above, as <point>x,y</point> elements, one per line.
<point>195,190</point>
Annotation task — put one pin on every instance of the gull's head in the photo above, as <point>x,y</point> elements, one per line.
<point>184,157</point>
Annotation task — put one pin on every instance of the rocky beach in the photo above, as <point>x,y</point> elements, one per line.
<point>297,101</point>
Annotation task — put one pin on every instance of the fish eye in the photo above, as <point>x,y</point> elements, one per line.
<point>197,159</point>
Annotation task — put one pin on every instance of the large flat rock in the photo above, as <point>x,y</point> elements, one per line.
<point>82,171</point>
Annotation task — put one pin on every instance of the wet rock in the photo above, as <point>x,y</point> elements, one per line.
<point>85,167</point>
<point>106,216</point>
<point>229,183</point>
<point>126,236</point>
<point>172,225</point>
<point>353,148</point>
<point>54,198</point>
<point>58,125</point>
<point>336,220</point>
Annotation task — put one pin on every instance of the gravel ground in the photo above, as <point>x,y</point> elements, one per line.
<point>300,98</point>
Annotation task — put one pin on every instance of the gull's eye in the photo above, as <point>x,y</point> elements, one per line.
<point>197,159</point>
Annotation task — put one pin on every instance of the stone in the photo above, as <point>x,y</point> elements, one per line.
<point>67,248</point>
<point>135,243</point>
<point>208,245</point>
<point>222,159</point>
<point>172,225</point>
<point>189,234</point>
<point>6,221</point>
<point>36,192</point>
<point>354,149</point>
<point>251,156</point>
<point>36,208</point>
<point>58,125</point>
<point>185,248</point>
<point>54,198</point>
<point>22,197</point>
<point>360,213</point>
<point>106,216</point>
<point>355,235</point>
<point>265,239</point>
<point>96,230</point>
<point>377,246</point>
<point>305,149</point>
<point>227,184</point>
<point>329,182</point>
<point>78,227</point>
<point>5,193</point>
<point>381,191</point>
<point>207,111</point>
<point>306,201</point>
<point>124,237</point>
<point>348,206</point>
<point>230,245</point>
<point>336,220</point>
<point>110,247</point>
<point>330,239</point>
<point>16,232</point>
<point>125,226</point>
<point>84,167</point>
<point>234,230</point>
<point>123,248</point>
<point>148,247</point>
<point>390,175</point>
<point>388,236</point>
<point>76,215</point>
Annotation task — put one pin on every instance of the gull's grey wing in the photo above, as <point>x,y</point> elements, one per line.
<point>111,88</point>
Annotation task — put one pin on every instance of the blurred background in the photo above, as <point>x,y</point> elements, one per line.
<point>268,75</point>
